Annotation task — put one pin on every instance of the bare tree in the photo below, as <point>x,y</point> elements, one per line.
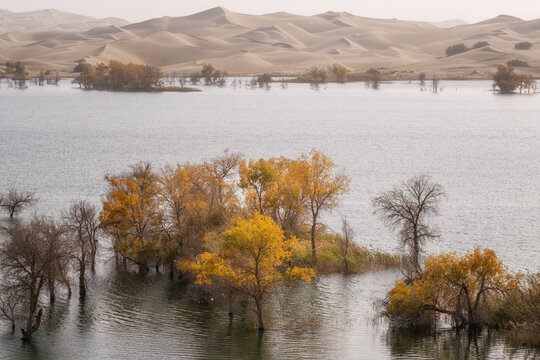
<point>422,79</point>
<point>15,201</point>
<point>9,302</point>
<point>435,84</point>
<point>345,241</point>
<point>28,258</point>
<point>82,225</point>
<point>407,209</point>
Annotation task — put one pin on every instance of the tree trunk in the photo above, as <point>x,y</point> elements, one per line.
<point>172,271</point>
<point>82,280</point>
<point>313,245</point>
<point>52,293</point>
<point>259,316</point>
<point>143,268</point>
<point>31,325</point>
<point>230,298</point>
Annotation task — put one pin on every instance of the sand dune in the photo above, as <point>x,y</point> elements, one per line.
<point>51,20</point>
<point>278,42</point>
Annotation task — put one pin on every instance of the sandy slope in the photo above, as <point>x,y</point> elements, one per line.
<point>278,42</point>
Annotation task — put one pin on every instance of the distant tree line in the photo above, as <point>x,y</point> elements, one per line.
<point>117,76</point>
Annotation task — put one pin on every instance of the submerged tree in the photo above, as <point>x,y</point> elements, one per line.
<point>407,209</point>
<point>345,241</point>
<point>132,216</point>
<point>253,259</point>
<point>29,259</point>
<point>506,80</point>
<point>460,287</point>
<point>15,201</point>
<point>82,227</point>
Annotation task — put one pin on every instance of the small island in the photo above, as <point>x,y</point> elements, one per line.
<point>117,76</point>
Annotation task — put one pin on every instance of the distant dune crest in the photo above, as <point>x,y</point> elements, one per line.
<point>277,42</point>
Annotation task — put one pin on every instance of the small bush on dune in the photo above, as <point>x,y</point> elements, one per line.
<point>456,49</point>
<point>480,44</point>
<point>518,63</point>
<point>524,45</point>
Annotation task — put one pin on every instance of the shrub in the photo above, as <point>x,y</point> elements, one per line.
<point>456,49</point>
<point>506,79</point>
<point>480,44</point>
<point>518,63</point>
<point>79,67</point>
<point>524,45</point>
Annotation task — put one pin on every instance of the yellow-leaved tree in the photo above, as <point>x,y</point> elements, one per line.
<point>322,185</point>
<point>462,287</point>
<point>132,216</point>
<point>253,258</point>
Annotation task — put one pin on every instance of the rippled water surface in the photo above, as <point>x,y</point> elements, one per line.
<point>483,148</point>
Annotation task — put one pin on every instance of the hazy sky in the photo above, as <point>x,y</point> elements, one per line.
<point>431,10</point>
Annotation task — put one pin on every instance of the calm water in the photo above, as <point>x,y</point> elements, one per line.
<point>484,149</point>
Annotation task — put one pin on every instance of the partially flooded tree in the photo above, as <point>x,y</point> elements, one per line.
<point>463,288</point>
<point>10,299</point>
<point>29,256</point>
<point>131,215</point>
<point>339,72</point>
<point>435,84</point>
<point>407,209</point>
<point>422,79</point>
<point>506,80</point>
<point>82,226</point>
<point>345,241</point>
<point>15,201</point>
<point>253,259</point>
<point>373,78</point>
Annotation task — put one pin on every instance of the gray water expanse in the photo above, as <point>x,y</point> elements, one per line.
<point>484,149</point>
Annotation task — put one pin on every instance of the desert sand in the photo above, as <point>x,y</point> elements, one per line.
<point>283,43</point>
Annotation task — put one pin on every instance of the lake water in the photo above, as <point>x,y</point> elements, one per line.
<point>484,149</point>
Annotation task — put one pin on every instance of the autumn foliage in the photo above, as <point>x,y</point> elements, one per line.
<point>253,257</point>
<point>506,80</point>
<point>117,76</point>
<point>465,288</point>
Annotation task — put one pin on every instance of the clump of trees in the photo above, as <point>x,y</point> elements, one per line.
<point>16,71</point>
<point>474,289</point>
<point>33,259</point>
<point>321,75</point>
<point>506,80</point>
<point>461,48</point>
<point>37,256</point>
<point>373,78</point>
<point>523,45</point>
<point>211,75</point>
<point>156,217</point>
<point>461,287</point>
<point>117,76</point>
